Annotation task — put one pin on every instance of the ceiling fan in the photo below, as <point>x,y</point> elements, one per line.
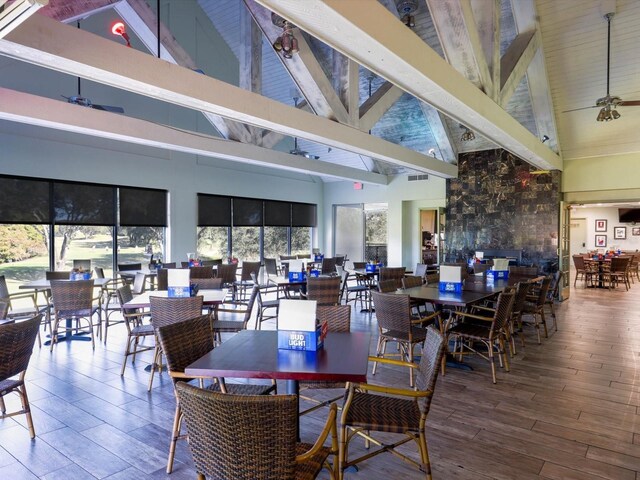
<point>302,153</point>
<point>608,103</point>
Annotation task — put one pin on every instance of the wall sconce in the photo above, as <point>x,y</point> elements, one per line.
<point>119,29</point>
<point>468,135</point>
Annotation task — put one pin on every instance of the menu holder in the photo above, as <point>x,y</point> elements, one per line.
<point>297,325</point>
<point>450,279</point>
<point>178,283</point>
<point>500,269</point>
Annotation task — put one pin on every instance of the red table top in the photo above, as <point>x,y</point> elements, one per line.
<point>255,354</point>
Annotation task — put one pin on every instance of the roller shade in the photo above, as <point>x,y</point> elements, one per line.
<point>303,215</point>
<point>214,211</point>
<point>247,212</point>
<point>142,207</point>
<point>277,214</point>
<point>83,204</point>
<point>23,200</point>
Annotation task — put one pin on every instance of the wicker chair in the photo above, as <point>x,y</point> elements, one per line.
<point>523,270</point>
<point>165,311</point>
<point>162,278</point>
<point>248,437</point>
<point>201,272</point>
<point>209,283</point>
<point>395,324</point>
<point>393,410</point>
<point>328,266</point>
<point>183,343</point>
<point>412,281</point>
<point>227,272</point>
<point>534,306</point>
<point>360,289</point>
<point>324,290</point>
<point>16,345</point>
<point>388,286</point>
<point>26,312</point>
<point>619,272</point>
<point>391,273</point>
<point>421,270</point>
<point>552,295</point>
<point>136,329</point>
<point>234,326</point>
<point>480,267</point>
<point>245,281</point>
<point>271,266</point>
<point>578,262</point>
<point>359,265</point>
<point>73,300</point>
<point>109,300</point>
<point>490,331</point>
<point>338,318</point>
<point>263,306</point>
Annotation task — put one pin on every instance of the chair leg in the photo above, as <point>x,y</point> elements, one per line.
<point>410,360</point>
<point>156,355</point>
<point>27,410</point>
<point>3,407</point>
<point>127,352</point>
<point>342,451</point>
<point>424,455</point>
<point>175,434</point>
<point>544,322</point>
<point>493,364</point>
<point>380,349</point>
<point>505,356</point>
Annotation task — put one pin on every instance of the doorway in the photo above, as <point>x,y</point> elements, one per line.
<point>428,236</point>
<point>578,243</point>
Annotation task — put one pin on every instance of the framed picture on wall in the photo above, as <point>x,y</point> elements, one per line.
<point>601,225</point>
<point>620,233</point>
<point>601,241</point>
<point>635,231</point>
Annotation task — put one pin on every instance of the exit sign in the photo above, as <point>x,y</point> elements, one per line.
<point>357,186</point>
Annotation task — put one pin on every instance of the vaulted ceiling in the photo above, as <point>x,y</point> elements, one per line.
<point>366,94</point>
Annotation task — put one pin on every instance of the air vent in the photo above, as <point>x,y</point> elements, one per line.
<point>415,178</point>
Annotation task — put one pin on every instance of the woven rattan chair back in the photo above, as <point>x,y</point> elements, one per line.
<point>391,273</point>
<point>393,311</point>
<point>125,296</point>
<point>16,344</point>
<point>554,288</point>
<point>247,269</point>
<point>619,264</point>
<point>328,266</point>
<point>243,437</point>
<point>252,301</point>
<point>340,260</point>
<point>209,283</point>
<point>271,266</point>
<point>55,275</point>
<point>359,265</point>
<point>338,317</point>
<point>522,290</point>
<point>433,351</point>
<point>432,278</point>
<point>504,306</point>
<point>387,286</point>
<point>162,279</point>
<point>411,281</point>
<point>324,290</point>
<point>184,264</point>
<point>544,289</point>
<point>165,311</point>
<point>139,283</point>
<point>578,262</point>
<point>72,297</point>
<point>99,271</point>
<point>523,270</point>
<point>185,342</point>
<point>227,272</point>
<point>201,272</point>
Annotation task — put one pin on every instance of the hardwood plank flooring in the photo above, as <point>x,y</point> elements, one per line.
<point>569,409</point>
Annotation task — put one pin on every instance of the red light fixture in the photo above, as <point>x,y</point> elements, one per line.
<point>118,28</point>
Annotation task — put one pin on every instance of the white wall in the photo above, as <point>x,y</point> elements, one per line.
<point>43,153</point>
<point>610,214</point>
<point>404,200</point>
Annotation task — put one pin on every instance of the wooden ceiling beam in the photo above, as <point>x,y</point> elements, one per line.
<point>34,110</point>
<point>50,44</point>
<point>373,38</point>
<point>515,62</point>
<point>14,14</point>
<point>374,107</point>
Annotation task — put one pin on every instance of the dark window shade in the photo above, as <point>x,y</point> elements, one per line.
<point>24,201</point>
<point>214,211</point>
<point>277,214</point>
<point>303,215</point>
<point>82,204</point>
<point>247,212</point>
<point>141,207</point>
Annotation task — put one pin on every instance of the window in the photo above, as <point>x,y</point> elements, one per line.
<point>276,241</point>
<point>300,240</point>
<point>213,243</point>
<point>137,244</point>
<point>245,243</point>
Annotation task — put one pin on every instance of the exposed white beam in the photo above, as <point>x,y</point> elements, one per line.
<point>33,110</point>
<point>515,63</point>
<point>440,132</point>
<point>526,19</point>
<point>13,15</point>
<point>370,36</point>
<point>143,22</point>
<point>304,68</point>
<point>50,44</point>
<point>374,107</point>
<point>477,47</point>
<point>487,18</point>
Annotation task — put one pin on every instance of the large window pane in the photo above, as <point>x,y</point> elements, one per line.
<point>275,241</point>
<point>137,244</point>
<point>375,217</point>
<point>300,240</point>
<point>84,242</point>
<point>213,242</point>
<point>83,204</point>
<point>143,207</point>
<point>246,243</point>
<point>24,255</point>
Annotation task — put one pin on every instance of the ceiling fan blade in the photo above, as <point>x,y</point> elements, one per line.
<point>581,108</point>
<point>630,103</point>
<point>108,108</point>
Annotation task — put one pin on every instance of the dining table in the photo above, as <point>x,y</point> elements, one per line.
<point>255,354</point>
<point>210,298</point>
<point>149,274</point>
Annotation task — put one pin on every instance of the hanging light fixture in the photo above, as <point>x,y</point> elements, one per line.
<point>468,135</point>
<point>118,28</point>
<point>286,43</point>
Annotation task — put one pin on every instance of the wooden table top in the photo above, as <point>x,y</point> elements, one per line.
<point>255,354</point>
<point>209,297</point>
<point>44,284</point>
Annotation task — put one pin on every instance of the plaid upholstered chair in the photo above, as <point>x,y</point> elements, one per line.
<point>16,345</point>
<point>183,343</point>
<point>246,437</point>
<point>393,410</point>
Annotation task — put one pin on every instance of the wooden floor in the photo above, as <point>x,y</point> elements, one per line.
<point>567,410</point>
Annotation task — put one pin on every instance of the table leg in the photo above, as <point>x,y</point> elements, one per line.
<point>293,388</point>
<point>68,336</point>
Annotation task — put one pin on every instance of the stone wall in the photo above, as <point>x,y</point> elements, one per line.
<point>496,203</point>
